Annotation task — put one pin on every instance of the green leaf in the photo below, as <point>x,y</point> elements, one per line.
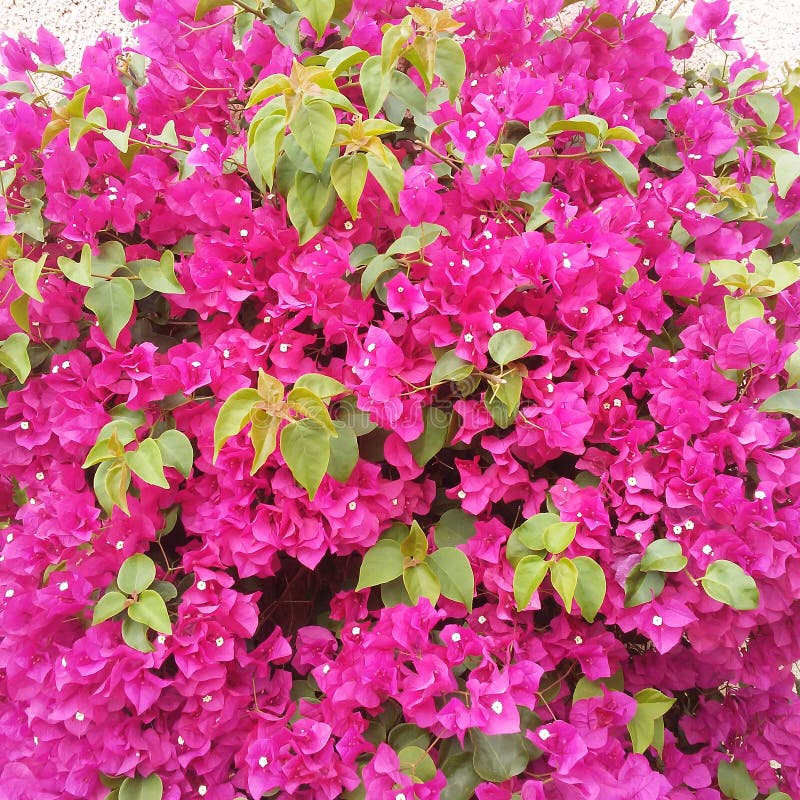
<point>785,402</point>
<point>112,303</point>
<point>407,734</point>
<point>421,581</point>
<point>665,155</point>
<point>109,258</point>
<point>531,532</point>
<point>19,310</point>
<point>450,65</point>
<point>310,203</point>
<point>305,446</point>
<point>262,155</point>
<point>778,796</point>
<point>498,758</point>
<point>734,780</point>
<point>108,606</point>
<point>741,309</point>
<point>559,536</point>
<point>455,527</point>
<point>30,222</point>
<point>165,589</point>
<point>415,544</point>
<point>455,575</point>
<point>312,407</point>
<point>564,577</point>
<point>136,574</point>
<point>233,416</point>
<point>624,170</point>
<point>321,385</point>
<point>14,355</point>
<point>621,133</point>
<point>160,275</point>
<point>731,585</point>
<point>663,555</point>
<point>417,764</point>
<point>119,430</point>
<point>436,423</point>
<point>341,60</point>
<point>99,487</point>
<point>641,729</point>
<point>176,451</point>
<point>389,174</point>
<point>79,271</point>
<point>352,416</point>
<point>395,39</point>
<point>383,562</point>
<point>273,84</point>
<point>528,576</point>
<point>120,139</point>
<point>787,167</point>
<point>344,453</point>
<point>766,105</point>
<point>394,594</point>
<point>146,462</point>
<point>317,12</point>
<point>138,788</point>
<point>461,777</point>
<point>582,123</point>
<point>116,480</point>
<point>591,589</point>
<point>377,266</point>
<point>134,634</point>
<point>502,400</point>
<point>651,705</point>
<point>450,367</point>
<point>314,126</point>
<point>204,6</point>
<point>151,610</point>
<point>375,84</point>
<point>642,587</point>
<point>349,176</point>
<point>380,127</point>
<point>27,274</point>
<point>506,346</point>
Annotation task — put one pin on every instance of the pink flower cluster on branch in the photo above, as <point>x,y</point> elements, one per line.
<point>576,193</point>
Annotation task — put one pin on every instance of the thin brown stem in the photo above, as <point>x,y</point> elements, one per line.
<point>434,152</point>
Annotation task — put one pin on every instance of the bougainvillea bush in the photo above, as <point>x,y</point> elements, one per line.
<point>398,403</point>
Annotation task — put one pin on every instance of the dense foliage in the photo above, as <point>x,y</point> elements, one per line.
<point>397,403</point>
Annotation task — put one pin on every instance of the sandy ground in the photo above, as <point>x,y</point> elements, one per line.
<point>772,28</point>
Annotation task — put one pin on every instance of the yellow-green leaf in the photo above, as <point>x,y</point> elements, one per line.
<point>317,12</point>
<point>112,303</point>
<point>27,274</point>
<point>349,175</point>
<point>233,416</point>
<point>305,446</point>
<point>313,127</point>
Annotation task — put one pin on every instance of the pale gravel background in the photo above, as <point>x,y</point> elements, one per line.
<point>772,28</point>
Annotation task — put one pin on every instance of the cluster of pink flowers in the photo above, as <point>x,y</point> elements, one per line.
<point>639,420</point>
